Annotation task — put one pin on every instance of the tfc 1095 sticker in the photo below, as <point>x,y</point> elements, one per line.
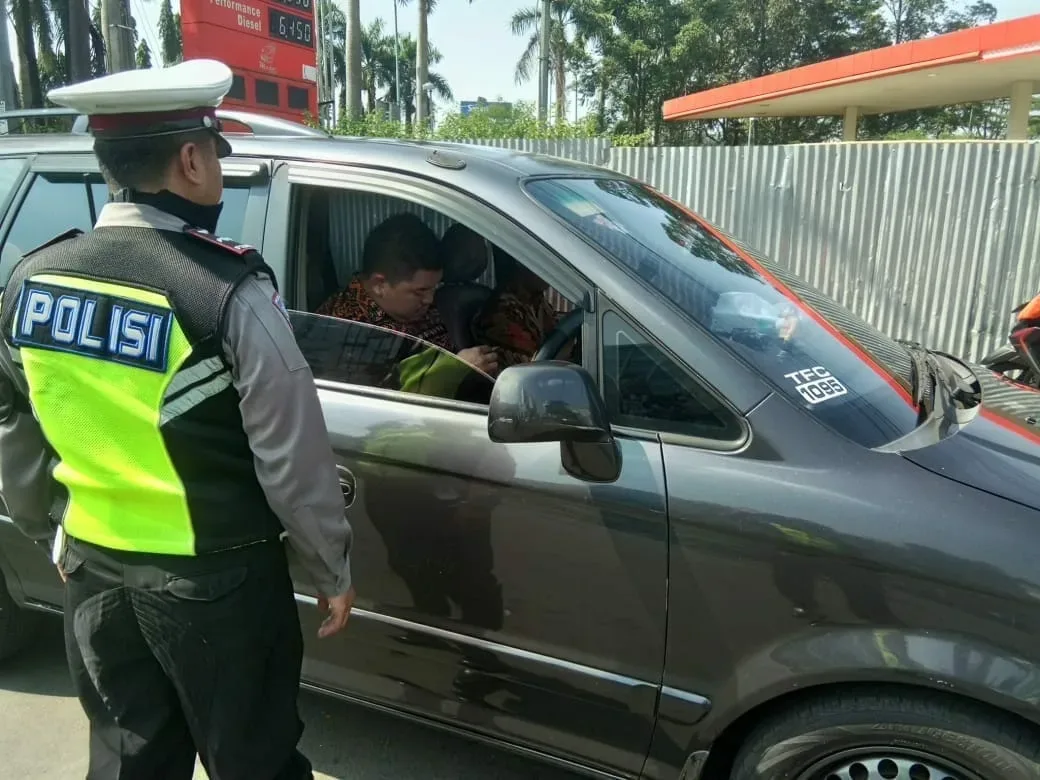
<point>816,385</point>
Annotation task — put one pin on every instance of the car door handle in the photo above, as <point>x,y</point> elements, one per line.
<point>347,484</point>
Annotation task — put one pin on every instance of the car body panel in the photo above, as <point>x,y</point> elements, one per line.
<point>486,571</point>
<point>999,450</point>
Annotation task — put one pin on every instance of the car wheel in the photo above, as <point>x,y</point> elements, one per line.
<point>16,624</point>
<point>888,736</point>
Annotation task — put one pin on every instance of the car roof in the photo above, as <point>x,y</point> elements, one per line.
<point>406,155</point>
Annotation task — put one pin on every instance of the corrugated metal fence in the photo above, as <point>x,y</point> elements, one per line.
<point>929,241</point>
<point>934,241</point>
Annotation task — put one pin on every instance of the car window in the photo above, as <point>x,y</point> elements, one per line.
<point>354,353</point>
<point>232,216</point>
<point>824,358</point>
<point>54,204</point>
<point>10,174</point>
<point>644,388</point>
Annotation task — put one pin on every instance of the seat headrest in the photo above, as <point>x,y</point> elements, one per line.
<point>465,255</point>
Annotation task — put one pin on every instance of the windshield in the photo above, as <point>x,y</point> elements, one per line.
<point>837,367</point>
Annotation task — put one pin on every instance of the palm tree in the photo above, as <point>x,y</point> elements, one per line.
<point>30,16</point>
<point>378,74</point>
<point>410,96</point>
<point>424,56</point>
<point>353,59</point>
<point>562,51</point>
<point>377,61</point>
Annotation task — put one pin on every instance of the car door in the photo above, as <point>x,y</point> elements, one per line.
<point>61,192</point>
<point>495,591</point>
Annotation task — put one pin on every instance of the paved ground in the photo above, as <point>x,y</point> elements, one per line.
<point>43,733</point>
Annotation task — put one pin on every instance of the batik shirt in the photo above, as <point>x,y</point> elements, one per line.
<point>355,304</point>
<point>516,322</point>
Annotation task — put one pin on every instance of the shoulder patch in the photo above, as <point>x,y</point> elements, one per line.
<point>56,240</point>
<point>224,243</point>
<point>279,304</point>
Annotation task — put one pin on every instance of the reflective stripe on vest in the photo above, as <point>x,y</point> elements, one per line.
<point>101,358</point>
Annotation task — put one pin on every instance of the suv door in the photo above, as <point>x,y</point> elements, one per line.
<point>495,590</point>
<point>59,193</point>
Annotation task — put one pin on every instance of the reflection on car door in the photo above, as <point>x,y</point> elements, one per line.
<point>494,589</point>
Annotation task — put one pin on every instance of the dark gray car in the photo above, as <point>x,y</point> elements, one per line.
<point>748,537</point>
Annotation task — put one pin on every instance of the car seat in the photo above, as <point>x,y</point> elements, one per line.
<point>461,298</point>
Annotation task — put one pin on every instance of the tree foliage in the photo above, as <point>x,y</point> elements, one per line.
<point>170,43</point>
<point>143,55</point>
<point>626,57</point>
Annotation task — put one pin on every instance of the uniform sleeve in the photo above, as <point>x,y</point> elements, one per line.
<point>286,429</point>
<point>25,478</point>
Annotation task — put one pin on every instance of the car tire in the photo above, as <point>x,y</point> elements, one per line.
<point>888,736</point>
<point>16,624</point>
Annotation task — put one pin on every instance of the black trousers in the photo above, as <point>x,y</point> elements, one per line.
<point>173,657</point>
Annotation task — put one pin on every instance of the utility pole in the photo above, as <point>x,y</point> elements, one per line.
<point>397,68</point>
<point>8,94</point>
<point>79,41</point>
<point>354,59</point>
<point>543,66</point>
<point>421,65</point>
<point>116,29</point>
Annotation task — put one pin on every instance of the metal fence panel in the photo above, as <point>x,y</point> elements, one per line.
<point>934,241</point>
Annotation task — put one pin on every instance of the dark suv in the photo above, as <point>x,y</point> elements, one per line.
<point>745,536</point>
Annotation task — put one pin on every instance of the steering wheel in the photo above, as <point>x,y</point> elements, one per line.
<point>567,329</point>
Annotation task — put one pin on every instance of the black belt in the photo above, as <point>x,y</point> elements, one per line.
<point>154,570</point>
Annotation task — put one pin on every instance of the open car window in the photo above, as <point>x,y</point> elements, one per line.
<point>833,364</point>
<point>355,353</point>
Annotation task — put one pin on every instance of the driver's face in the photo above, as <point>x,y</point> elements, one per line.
<point>409,300</point>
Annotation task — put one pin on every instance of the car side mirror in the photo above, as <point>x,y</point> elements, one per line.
<point>556,401</point>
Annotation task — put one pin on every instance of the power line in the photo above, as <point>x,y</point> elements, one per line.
<point>153,42</point>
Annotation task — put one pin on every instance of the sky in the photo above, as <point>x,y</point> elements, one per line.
<point>480,51</point>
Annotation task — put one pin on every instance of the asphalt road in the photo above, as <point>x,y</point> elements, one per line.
<point>43,733</point>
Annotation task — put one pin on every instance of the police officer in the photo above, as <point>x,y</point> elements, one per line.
<point>154,399</point>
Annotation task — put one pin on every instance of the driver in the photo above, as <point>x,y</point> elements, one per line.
<point>400,270</point>
<point>518,317</point>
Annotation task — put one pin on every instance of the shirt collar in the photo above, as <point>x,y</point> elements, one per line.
<point>138,215</point>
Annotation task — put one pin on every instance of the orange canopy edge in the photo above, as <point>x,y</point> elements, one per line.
<point>967,66</point>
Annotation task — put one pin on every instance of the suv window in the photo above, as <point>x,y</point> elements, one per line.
<point>10,174</point>
<point>834,365</point>
<point>55,203</point>
<point>358,354</point>
<point>644,388</point>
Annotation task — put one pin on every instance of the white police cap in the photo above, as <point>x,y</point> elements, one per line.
<point>152,102</point>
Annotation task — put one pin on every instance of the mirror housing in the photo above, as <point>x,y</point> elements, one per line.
<point>556,401</point>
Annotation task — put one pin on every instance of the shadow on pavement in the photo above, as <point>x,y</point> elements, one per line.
<point>343,741</point>
<point>39,668</point>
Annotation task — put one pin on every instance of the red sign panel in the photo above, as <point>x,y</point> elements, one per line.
<point>268,44</point>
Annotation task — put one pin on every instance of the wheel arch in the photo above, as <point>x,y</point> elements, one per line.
<point>718,762</point>
<point>964,668</point>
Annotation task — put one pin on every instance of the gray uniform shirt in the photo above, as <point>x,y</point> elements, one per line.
<point>281,413</point>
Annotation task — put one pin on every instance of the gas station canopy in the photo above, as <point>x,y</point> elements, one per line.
<point>982,63</point>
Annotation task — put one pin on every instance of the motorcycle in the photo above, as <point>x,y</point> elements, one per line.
<point>1019,360</point>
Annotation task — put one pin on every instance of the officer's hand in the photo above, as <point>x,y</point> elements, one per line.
<point>483,358</point>
<point>338,608</point>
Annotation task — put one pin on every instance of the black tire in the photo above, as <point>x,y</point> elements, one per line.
<point>827,737</point>
<point>16,624</point>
